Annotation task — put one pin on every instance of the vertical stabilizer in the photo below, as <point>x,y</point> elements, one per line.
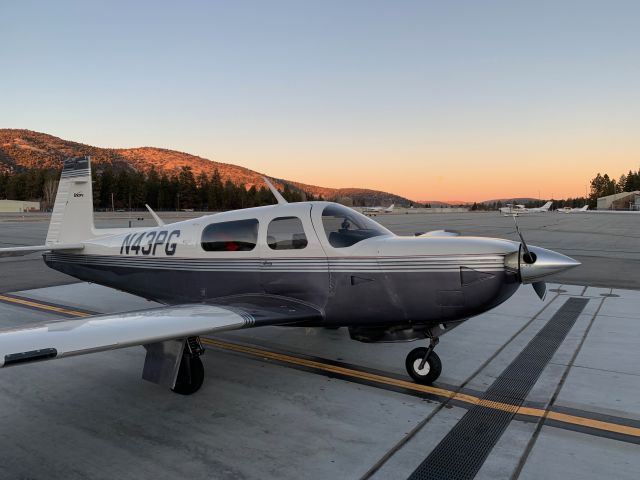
<point>72,217</point>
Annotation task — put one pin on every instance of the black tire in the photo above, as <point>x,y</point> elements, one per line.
<point>190,376</point>
<point>431,370</point>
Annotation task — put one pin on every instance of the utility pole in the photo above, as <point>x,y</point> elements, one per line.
<point>113,208</point>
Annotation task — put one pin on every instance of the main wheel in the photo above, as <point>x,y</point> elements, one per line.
<point>430,372</point>
<point>190,376</point>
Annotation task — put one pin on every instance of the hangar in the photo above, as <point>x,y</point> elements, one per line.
<point>620,201</point>
<point>18,206</point>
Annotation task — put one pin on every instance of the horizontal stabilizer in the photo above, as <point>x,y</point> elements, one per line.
<point>20,251</point>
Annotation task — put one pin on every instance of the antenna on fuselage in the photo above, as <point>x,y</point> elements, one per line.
<point>155,216</point>
<point>274,190</point>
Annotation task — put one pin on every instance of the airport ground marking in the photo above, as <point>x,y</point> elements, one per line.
<point>42,306</point>
<point>376,378</point>
<point>440,392</point>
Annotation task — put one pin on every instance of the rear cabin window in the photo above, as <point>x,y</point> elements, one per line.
<point>345,227</point>
<point>236,236</point>
<point>286,233</point>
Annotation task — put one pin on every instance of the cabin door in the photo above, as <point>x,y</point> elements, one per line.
<point>293,261</point>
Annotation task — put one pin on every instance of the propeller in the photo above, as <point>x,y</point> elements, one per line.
<point>530,258</point>
<point>540,288</point>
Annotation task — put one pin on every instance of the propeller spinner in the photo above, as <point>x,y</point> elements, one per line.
<point>534,263</point>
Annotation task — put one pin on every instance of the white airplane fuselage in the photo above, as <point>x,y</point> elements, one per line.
<point>290,264</point>
<point>516,210</point>
<point>380,280</point>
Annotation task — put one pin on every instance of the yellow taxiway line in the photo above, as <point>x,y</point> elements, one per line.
<point>42,306</point>
<point>440,392</point>
<point>379,379</point>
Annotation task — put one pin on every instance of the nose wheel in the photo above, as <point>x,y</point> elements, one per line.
<point>423,364</point>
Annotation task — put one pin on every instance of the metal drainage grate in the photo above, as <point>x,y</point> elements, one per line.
<point>464,449</point>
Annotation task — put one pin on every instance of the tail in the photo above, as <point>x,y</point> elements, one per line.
<point>547,206</point>
<point>391,207</point>
<point>72,217</point>
<point>585,208</point>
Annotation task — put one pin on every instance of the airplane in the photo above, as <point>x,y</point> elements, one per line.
<point>305,264</point>
<point>515,210</point>
<point>375,210</point>
<point>573,210</point>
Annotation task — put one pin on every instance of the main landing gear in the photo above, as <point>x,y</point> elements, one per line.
<point>423,364</point>
<point>191,371</point>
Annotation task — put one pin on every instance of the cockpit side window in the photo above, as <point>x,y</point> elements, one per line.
<point>286,233</point>
<point>234,236</point>
<point>345,227</point>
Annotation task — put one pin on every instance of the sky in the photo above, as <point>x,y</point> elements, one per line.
<point>430,100</point>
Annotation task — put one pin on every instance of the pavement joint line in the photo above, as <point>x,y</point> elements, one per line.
<point>467,399</point>
<point>446,394</point>
<point>464,449</point>
<point>404,440</point>
<point>547,415</point>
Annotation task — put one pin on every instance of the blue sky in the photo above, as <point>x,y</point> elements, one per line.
<point>449,100</point>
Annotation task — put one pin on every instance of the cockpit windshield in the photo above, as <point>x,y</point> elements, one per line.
<point>345,227</point>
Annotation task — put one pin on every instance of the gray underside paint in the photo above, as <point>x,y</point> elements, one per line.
<point>373,297</point>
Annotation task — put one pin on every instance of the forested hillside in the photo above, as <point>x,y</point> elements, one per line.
<point>165,179</point>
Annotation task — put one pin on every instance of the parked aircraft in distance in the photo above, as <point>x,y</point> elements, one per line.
<point>573,210</point>
<point>306,264</point>
<point>515,210</point>
<point>376,210</point>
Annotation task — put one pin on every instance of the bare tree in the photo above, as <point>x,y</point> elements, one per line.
<point>49,193</point>
<point>347,201</point>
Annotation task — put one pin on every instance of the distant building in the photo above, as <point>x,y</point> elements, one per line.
<point>620,201</point>
<point>18,206</point>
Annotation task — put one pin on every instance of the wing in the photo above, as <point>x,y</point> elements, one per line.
<point>20,251</point>
<point>64,338</point>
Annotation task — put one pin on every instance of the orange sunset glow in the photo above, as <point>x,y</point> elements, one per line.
<point>427,101</point>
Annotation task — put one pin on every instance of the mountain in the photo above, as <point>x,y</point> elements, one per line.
<point>519,200</point>
<point>448,203</point>
<point>26,149</point>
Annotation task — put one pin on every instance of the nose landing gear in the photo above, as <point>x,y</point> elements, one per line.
<point>423,364</point>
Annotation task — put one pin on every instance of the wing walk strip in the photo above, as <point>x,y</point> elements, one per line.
<point>612,429</point>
